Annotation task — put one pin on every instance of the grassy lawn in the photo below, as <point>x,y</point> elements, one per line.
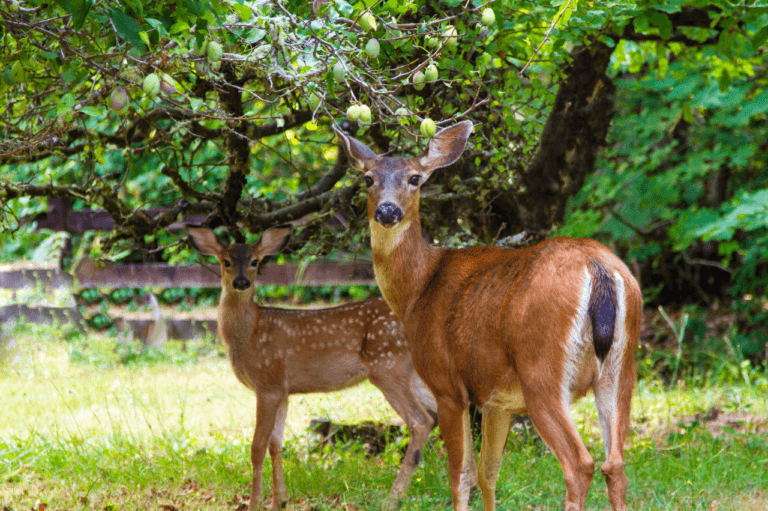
<point>90,424</point>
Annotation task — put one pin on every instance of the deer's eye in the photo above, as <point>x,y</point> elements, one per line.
<point>255,263</point>
<point>414,180</point>
<point>227,264</point>
<point>368,181</point>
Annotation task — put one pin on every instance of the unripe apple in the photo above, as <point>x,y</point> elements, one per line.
<point>339,72</point>
<point>402,115</point>
<point>365,114</point>
<point>430,74</point>
<point>428,127</point>
<point>17,72</point>
<point>418,80</point>
<point>151,85</point>
<point>372,47</point>
<point>451,36</point>
<point>353,113</point>
<point>167,85</point>
<point>214,51</point>
<point>198,48</point>
<point>368,22</point>
<point>431,42</point>
<point>118,100</point>
<point>488,17</point>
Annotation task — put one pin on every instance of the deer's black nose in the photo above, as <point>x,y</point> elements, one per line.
<point>241,283</point>
<point>388,214</point>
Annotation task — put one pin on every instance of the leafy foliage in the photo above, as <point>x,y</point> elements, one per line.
<point>682,189</point>
<point>239,128</point>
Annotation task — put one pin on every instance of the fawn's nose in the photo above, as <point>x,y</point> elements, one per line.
<point>241,283</point>
<point>388,214</point>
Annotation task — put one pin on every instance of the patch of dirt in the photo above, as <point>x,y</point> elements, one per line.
<point>718,423</point>
<point>754,502</point>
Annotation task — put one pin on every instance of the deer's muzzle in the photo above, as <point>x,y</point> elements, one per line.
<point>241,283</point>
<point>388,214</point>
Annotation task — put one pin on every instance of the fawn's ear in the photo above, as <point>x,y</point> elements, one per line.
<point>273,241</point>
<point>446,147</point>
<point>204,241</point>
<point>360,156</point>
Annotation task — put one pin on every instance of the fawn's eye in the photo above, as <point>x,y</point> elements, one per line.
<point>368,181</point>
<point>227,264</point>
<point>255,263</point>
<point>414,180</point>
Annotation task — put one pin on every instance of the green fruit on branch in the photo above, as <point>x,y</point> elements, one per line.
<point>214,51</point>
<point>450,36</point>
<point>402,115</point>
<point>167,85</point>
<point>339,73</point>
<point>118,100</point>
<point>365,114</point>
<point>428,127</point>
<point>151,85</point>
<point>418,80</point>
<point>198,47</point>
<point>372,47</point>
<point>431,42</point>
<point>17,72</point>
<point>488,17</point>
<point>353,112</point>
<point>430,74</point>
<point>368,22</point>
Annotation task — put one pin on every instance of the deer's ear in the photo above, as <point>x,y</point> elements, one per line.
<point>204,241</point>
<point>445,147</point>
<point>360,156</point>
<point>273,241</point>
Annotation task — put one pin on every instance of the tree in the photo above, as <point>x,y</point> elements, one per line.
<point>223,107</point>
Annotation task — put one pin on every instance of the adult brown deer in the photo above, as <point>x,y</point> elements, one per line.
<point>278,352</point>
<point>513,331</point>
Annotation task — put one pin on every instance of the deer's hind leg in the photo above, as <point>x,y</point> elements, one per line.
<point>495,427</point>
<point>550,413</point>
<point>397,387</point>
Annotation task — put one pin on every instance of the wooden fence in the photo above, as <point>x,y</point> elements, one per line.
<point>98,274</point>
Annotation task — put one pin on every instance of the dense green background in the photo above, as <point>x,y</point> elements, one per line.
<point>656,144</point>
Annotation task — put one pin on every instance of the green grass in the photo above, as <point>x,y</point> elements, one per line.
<point>83,426</point>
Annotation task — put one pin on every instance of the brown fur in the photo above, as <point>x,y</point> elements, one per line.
<point>505,329</point>
<point>278,352</point>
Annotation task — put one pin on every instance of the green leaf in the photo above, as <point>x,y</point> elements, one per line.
<point>244,12</point>
<point>127,28</point>
<point>79,10</point>
<point>179,26</point>
<point>157,25</point>
<point>725,80</point>
<point>664,24</point>
<point>759,38</point>
<point>344,8</point>
<point>93,111</point>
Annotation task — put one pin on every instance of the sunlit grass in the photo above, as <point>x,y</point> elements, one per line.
<point>81,429</point>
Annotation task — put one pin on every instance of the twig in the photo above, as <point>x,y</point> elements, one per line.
<point>546,38</point>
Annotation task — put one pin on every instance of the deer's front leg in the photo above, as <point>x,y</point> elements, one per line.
<point>453,419</point>
<point>267,406</point>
